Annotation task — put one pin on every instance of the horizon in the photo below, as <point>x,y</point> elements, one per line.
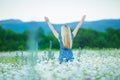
<point>58,23</point>
<point>59,11</point>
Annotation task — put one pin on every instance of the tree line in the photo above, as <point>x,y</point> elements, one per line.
<point>86,38</point>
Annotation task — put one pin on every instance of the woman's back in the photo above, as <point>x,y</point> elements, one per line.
<point>66,54</point>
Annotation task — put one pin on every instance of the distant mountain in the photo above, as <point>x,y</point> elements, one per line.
<point>10,21</point>
<point>20,26</point>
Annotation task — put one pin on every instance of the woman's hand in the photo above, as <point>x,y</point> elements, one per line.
<point>78,26</point>
<point>51,27</point>
<point>83,18</point>
<point>46,19</point>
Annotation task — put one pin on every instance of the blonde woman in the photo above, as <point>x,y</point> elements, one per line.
<point>65,38</point>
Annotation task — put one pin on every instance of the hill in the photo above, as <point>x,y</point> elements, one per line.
<point>20,26</point>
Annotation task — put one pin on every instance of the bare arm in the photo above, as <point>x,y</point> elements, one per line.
<point>51,27</point>
<point>78,26</point>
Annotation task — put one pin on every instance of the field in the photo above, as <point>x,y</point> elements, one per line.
<point>88,65</point>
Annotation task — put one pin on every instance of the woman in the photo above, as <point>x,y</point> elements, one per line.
<point>65,38</point>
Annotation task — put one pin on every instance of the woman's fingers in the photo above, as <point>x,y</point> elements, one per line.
<point>46,19</point>
<point>83,18</point>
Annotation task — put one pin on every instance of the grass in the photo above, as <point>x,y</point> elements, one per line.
<point>11,60</point>
<point>19,60</point>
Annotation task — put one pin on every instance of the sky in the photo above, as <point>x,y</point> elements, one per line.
<point>59,11</point>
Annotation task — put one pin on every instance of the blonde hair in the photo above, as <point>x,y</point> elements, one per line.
<point>66,37</point>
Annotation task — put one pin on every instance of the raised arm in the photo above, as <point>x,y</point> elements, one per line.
<point>78,26</point>
<point>51,27</point>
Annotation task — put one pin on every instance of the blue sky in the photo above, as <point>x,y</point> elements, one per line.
<point>59,11</point>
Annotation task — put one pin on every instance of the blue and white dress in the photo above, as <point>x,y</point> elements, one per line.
<point>65,54</point>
